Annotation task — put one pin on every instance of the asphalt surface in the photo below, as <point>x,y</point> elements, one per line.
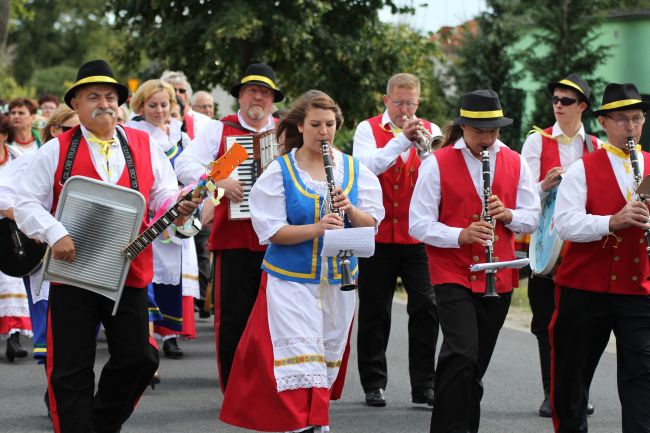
<point>188,399</point>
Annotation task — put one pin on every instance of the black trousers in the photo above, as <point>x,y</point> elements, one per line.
<point>541,295</point>
<point>470,328</point>
<point>579,334</point>
<point>239,272</point>
<point>377,279</point>
<point>75,315</point>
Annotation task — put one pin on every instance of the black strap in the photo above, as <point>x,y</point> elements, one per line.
<point>238,126</point>
<point>74,147</point>
<point>588,143</point>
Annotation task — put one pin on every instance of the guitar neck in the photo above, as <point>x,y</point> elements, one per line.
<point>160,225</point>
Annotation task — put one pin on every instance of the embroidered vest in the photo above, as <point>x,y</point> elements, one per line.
<point>303,262</point>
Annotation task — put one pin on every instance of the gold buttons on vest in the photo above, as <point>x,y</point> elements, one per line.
<point>396,169</point>
<point>472,278</point>
<point>475,258</point>
<point>394,220</point>
<point>495,258</point>
<point>637,260</point>
<point>641,240</point>
<point>412,169</point>
<point>617,258</point>
<point>395,186</point>
<point>395,204</point>
<point>613,277</point>
<point>619,239</point>
<point>634,278</point>
<point>475,217</point>
<point>496,238</point>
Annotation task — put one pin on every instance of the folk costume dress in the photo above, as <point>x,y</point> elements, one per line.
<point>293,345</point>
<point>15,306</point>
<point>175,281</point>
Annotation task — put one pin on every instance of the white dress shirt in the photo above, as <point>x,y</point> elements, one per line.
<point>267,197</point>
<point>569,153</point>
<point>10,175</point>
<point>200,120</point>
<point>424,211</point>
<point>378,160</point>
<point>571,219</point>
<point>190,164</point>
<point>36,190</point>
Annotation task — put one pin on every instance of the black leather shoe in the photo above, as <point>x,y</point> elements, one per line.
<point>14,349</point>
<point>46,399</point>
<point>155,380</point>
<point>171,349</point>
<point>375,397</point>
<point>545,408</point>
<point>590,408</point>
<point>424,397</point>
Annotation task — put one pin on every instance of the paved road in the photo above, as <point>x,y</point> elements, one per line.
<point>188,399</point>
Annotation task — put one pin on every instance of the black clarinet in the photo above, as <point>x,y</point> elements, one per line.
<point>638,178</point>
<point>490,274</point>
<point>347,283</point>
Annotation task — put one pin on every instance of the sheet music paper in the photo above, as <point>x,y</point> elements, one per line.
<point>516,264</point>
<point>360,241</point>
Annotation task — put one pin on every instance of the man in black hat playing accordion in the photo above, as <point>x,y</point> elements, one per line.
<point>603,281</point>
<point>446,214</point>
<point>238,253</point>
<point>122,156</point>
<point>549,152</point>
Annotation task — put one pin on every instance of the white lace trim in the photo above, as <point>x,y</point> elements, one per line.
<point>15,310</point>
<point>281,342</point>
<point>299,381</point>
<point>320,187</point>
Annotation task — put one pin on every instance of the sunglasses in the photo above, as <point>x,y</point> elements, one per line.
<point>64,128</point>
<point>563,100</point>
<point>181,90</point>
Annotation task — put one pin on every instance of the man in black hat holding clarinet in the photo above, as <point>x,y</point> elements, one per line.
<point>446,214</point>
<point>96,149</point>
<point>603,281</point>
<point>549,152</point>
<point>237,252</point>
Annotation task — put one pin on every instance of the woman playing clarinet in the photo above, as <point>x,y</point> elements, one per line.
<point>293,345</point>
<point>465,222</point>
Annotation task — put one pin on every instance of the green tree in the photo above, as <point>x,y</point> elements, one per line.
<point>564,41</point>
<point>338,46</point>
<point>484,59</point>
<point>49,33</point>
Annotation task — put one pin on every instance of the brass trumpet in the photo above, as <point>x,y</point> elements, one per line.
<point>426,142</point>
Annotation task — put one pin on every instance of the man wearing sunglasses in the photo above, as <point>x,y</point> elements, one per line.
<point>549,153</point>
<point>193,121</point>
<point>603,282</point>
<point>385,144</point>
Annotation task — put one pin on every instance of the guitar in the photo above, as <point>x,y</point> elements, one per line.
<point>216,170</point>
<point>20,255</point>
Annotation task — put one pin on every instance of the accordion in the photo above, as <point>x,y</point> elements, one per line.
<point>101,219</point>
<point>262,150</point>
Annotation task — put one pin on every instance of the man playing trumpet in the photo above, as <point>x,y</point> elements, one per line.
<point>385,144</point>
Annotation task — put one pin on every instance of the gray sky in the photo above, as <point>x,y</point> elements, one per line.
<point>436,13</point>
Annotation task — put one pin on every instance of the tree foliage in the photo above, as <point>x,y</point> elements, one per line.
<point>484,60</point>
<point>564,42</point>
<point>51,33</point>
<point>338,46</point>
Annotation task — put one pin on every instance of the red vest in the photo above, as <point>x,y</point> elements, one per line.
<point>617,263</point>
<point>397,185</point>
<point>189,125</point>
<point>141,270</point>
<point>460,205</point>
<point>227,234</point>
<point>550,156</point>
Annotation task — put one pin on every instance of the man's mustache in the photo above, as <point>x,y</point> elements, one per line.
<point>100,111</point>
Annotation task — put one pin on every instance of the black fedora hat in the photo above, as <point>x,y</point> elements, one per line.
<point>96,72</point>
<point>260,75</point>
<point>482,109</point>
<point>619,97</point>
<point>575,83</point>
